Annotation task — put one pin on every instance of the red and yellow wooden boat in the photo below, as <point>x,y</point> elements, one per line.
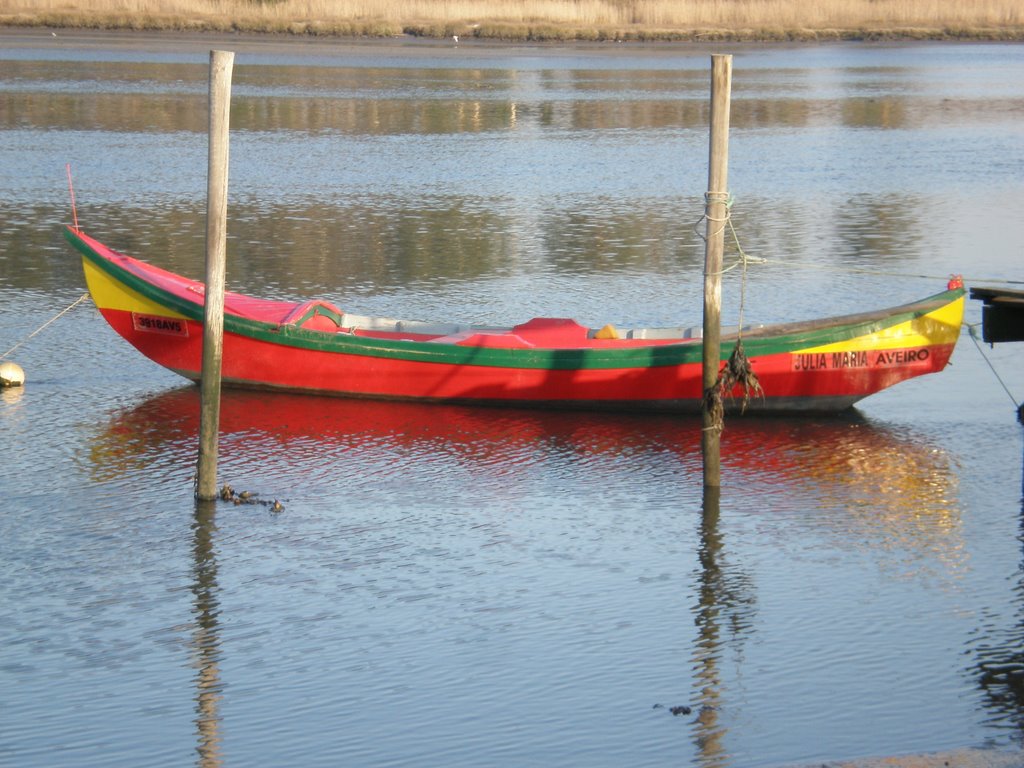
<point>812,366</point>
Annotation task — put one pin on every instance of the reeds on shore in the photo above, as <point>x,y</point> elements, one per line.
<point>545,19</point>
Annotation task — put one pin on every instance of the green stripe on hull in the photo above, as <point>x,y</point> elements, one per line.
<point>757,343</point>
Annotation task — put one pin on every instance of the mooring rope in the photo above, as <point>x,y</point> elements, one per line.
<point>64,311</point>
<point>879,272</point>
<point>737,370</point>
<point>744,259</point>
<point>972,332</point>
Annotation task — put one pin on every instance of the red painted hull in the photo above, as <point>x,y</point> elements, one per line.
<point>822,365</point>
<point>254,363</point>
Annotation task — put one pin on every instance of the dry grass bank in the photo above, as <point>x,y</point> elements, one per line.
<point>545,19</point>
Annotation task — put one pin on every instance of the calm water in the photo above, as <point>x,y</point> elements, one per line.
<point>458,587</point>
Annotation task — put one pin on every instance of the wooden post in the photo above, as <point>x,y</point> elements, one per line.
<point>715,211</point>
<point>221,63</point>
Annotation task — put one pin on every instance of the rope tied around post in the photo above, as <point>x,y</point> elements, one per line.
<point>712,199</point>
<point>737,370</point>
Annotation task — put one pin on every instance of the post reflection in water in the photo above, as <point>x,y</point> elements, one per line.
<point>205,640</point>
<point>725,604</point>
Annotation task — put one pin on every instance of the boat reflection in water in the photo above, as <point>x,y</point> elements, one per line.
<point>842,482</point>
<point>853,482</point>
<point>843,450</point>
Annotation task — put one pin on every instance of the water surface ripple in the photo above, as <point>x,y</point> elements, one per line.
<point>459,587</point>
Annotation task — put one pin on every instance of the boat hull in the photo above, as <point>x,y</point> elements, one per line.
<point>816,366</point>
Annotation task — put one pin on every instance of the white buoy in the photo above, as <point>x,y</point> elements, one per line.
<point>11,374</point>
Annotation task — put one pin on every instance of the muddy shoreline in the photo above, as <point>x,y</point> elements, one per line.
<point>169,41</point>
<point>85,35</point>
